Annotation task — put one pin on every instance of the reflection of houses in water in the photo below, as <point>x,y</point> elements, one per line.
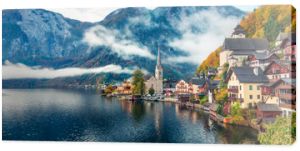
<point>126,106</point>
<point>194,117</point>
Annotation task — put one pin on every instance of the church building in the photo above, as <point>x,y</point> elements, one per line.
<point>156,81</point>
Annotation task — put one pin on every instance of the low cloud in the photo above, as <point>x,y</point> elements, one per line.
<point>101,36</point>
<point>202,33</point>
<point>21,71</point>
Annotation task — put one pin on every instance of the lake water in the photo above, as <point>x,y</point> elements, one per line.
<point>65,115</point>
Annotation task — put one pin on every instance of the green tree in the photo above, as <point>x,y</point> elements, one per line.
<point>220,109</point>
<point>204,99</point>
<point>138,82</point>
<point>272,28</point>
<point>235,109</point>
<point>279,133</point>
<point>294,125</point>
<point>109,89</point>
<point>151,91</point>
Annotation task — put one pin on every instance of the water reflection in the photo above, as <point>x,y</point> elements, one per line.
<point>86,116</point>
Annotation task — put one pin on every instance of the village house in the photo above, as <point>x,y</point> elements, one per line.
<point>277,70</point>
<point>266,113</point>
<point>268,93</point>
<point>262,59</point>
<point>282,93</point>
<point>212,72</point>
<point>125,88</point>
<point>156,81</point>
<point>237,48</point>
<point>244,85</point>
<point>198,85</point>
<point>289,47</point>
<point>169,87</point>
<point>182,87</point>
<point>285,90</point>
<point>285,41</point>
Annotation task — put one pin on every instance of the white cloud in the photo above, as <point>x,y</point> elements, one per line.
<point>202,33</point>
<point>101,36</point>
<point>21,71</point>
<point>85,14</point>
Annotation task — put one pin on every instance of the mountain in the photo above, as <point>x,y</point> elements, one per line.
<point>37,37</point>
<point>269,21</point>
<point>40,37</point>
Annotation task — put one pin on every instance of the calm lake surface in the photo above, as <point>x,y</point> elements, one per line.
<point>65,115</point>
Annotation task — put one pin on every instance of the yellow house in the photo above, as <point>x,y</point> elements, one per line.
<point>244,85</point>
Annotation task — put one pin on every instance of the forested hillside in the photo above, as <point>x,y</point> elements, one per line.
<point>264,22</point>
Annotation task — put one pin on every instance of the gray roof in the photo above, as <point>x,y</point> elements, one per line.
<point>243,52</point>
<point>236,44</point>
<point>213,84</point>
<point>198,81</point>
<point>268,107</point>
<point>246,75</point>
<point>289,81</point>
<point>263,55</point>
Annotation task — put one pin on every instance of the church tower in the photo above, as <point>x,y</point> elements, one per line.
<point>238,32</point>
<point>158,68</point>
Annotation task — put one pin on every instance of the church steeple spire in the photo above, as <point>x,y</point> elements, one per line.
<point>158,68</point>
<point>158,57</point>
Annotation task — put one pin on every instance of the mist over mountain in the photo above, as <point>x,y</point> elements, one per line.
<point>127,37</point>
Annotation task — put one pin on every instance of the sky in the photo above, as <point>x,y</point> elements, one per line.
<point>98,14</point>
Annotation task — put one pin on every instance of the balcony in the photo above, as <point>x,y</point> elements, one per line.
<point>235,99</point>
<point>288,106</point>
<point>233,89</point>
<point>287,96</point>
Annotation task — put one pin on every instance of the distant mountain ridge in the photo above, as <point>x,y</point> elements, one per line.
<point>44,38</point>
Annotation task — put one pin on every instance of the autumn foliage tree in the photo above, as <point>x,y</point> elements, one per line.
<point>221,95</point>
<point>269,20</point>
<point>211,61</point>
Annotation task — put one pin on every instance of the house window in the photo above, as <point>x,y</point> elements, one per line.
<point>250,97</point>
<point>258,88</point>
<point>240,87</point>
<point>241,96</point>
<point>250,87</point>
<point>258,97</point>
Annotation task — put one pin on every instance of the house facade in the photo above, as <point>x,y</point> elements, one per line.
<point>237,48</point>
<point>277,70</point>
<point>285,90</point>
<point>244,85</point>
<point>262,59</point>
<point>125,88</point>
<point>267,112</point>
<point>182,87</point>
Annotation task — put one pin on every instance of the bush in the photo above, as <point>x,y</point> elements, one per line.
<point>279,133</point>
<point>203,100</point>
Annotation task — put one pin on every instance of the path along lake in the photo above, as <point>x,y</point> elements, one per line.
<point>73,115</point>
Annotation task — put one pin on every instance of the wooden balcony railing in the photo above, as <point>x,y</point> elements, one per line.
<point>233,89</point>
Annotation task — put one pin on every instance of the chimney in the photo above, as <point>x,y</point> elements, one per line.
<point>255,70</point>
